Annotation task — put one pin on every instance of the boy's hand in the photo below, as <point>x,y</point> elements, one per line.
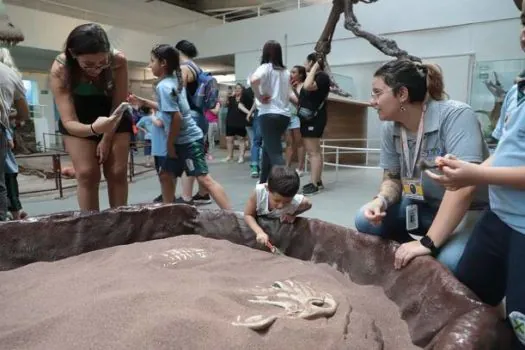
<point>288,218</point>
<point>262,238</point>
<point>456,173</point>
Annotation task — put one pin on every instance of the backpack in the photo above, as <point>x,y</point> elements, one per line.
<point>207,93</point>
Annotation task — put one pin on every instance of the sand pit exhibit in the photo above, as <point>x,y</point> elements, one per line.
<point>123,287</point>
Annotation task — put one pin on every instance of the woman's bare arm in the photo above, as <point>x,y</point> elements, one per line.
<point>187,74</point>
<point>64,102</point>
<point>120,92</point>
<point>243,108</point>
<point>309,84</point>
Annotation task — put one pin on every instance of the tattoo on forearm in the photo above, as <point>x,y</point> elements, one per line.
<point>391,175</point>
<point>391,187</point>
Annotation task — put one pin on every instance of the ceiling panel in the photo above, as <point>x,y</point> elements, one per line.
<point>141,15</point>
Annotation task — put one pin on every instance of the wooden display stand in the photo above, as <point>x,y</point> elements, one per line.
<point>347,119</point>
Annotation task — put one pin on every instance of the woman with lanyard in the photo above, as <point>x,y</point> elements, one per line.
<point>90,84</point>
<point>420,125</point>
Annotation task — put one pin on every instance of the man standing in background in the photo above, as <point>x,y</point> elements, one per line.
<point>12,93</point>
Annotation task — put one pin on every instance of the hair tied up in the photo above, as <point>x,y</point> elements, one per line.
<point>422,69</point>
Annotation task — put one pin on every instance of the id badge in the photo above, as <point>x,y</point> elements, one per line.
<point>412,218</point>
<point>413,189</point>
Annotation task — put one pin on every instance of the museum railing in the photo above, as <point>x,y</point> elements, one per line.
<point>59,166</point>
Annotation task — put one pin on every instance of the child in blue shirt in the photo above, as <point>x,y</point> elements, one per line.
<point>145,125</point>
<point>176,140</point>
<point>494,259</point>
<point>11,182</point>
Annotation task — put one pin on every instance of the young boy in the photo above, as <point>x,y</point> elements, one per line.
<point>494,259</point>
<point>276,199</point>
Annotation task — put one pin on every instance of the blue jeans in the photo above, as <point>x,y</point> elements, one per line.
<point>254,134</point>
<point>393,227</point>
<point>273,127</point>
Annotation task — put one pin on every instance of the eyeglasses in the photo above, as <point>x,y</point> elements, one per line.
<point>90,66</point>
<point>376,94</point>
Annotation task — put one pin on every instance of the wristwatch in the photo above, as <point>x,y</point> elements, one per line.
<point>427,242</point>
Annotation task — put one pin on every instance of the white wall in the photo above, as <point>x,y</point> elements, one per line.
<point>454,34</point>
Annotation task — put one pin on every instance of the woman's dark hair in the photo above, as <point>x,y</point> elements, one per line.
<point>419,79</point>
<point>89,38</point>
<point>273,53</point>
<point>302,72</point>
<point>171,56</point>
<point>313,58</point>
<point>187,48</point>
<point>284,181</point>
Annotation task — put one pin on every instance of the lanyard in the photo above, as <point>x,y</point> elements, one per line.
<point>404,143</point>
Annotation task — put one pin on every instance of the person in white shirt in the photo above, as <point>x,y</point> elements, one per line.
<point>276,199</point>
<point>272,90</point>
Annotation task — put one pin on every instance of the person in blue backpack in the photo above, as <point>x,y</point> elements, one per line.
<point>194,79</point>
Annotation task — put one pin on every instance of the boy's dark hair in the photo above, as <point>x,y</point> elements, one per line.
<point>145,110</point>
<point>284,181</point>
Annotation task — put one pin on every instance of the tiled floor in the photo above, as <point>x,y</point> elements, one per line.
<point>344,192</point>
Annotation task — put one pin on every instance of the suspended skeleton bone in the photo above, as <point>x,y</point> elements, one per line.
<point>9,34</point>
<point>323,47</point>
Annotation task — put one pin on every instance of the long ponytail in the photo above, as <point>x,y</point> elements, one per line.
<point>435,83</point>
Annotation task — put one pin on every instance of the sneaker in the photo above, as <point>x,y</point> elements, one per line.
<point>209,157</point>
<point>254,172</point>
<point>241,160</point>
<point>181,200</point>
<point>158,199</point>
<point>320,185</point>
<point>198,199</point>
<point>310,189</point>
<point>299,172</point>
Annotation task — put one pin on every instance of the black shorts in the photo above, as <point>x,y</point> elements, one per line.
<point>169,165</point>
<point>191,159</point>
<point>235,131</point>
<point>314,128</point>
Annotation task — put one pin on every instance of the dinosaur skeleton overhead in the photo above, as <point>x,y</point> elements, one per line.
<point>9,34</point>
<point>323,47</point>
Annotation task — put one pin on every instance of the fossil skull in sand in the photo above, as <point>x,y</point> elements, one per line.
<point>297,299</point>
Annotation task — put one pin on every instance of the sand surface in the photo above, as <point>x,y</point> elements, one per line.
<point>186,293</point>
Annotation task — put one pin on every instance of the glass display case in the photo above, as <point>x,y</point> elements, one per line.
<point>491,80</point>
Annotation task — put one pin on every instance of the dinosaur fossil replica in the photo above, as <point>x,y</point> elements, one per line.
<point>323,47</point>
<point>497,89</point>
<point>387,46</point>
<point>9,34</point>
<point>296,298</point>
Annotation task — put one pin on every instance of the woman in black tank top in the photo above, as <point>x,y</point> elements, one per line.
<point>89,81</point>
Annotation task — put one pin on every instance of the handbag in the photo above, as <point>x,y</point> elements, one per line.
<point>305,113</point>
